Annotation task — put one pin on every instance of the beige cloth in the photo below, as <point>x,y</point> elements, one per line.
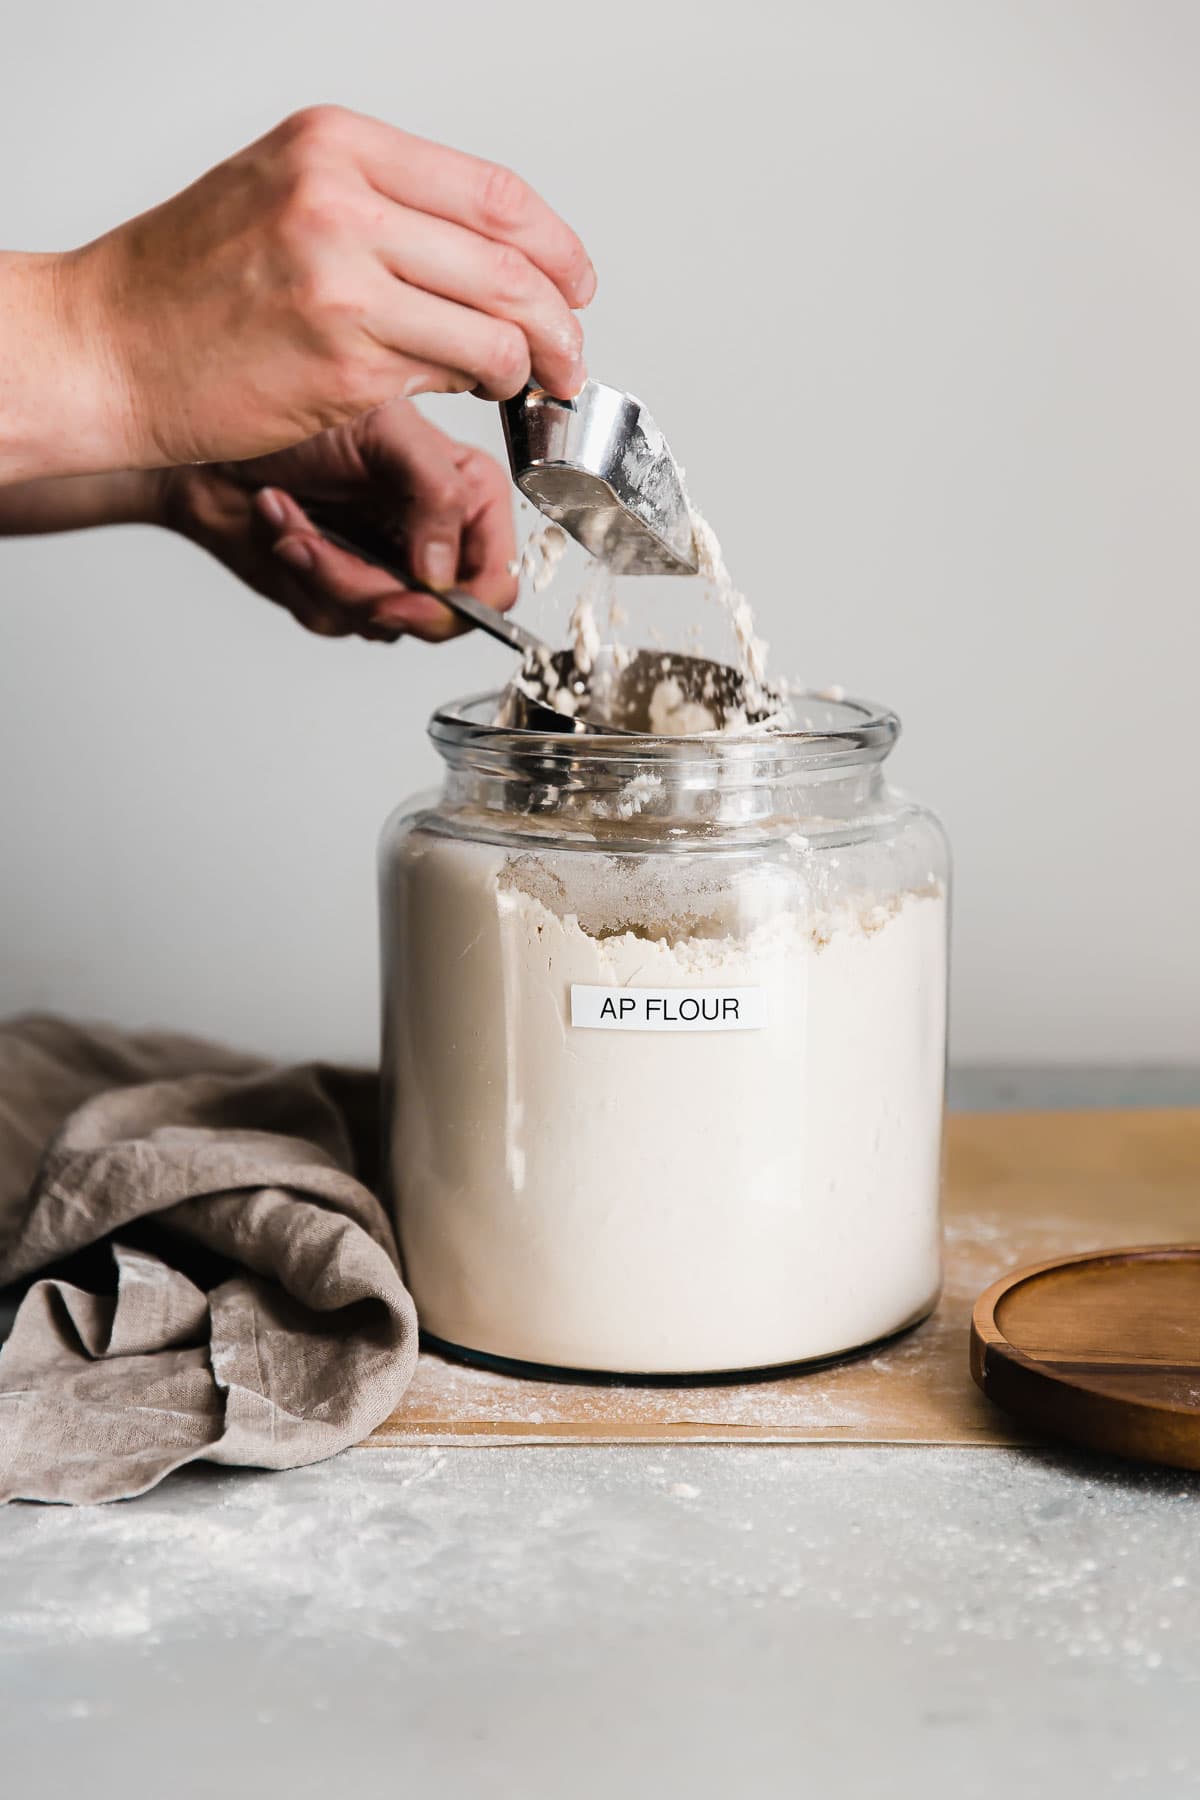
<point>232,1291</point>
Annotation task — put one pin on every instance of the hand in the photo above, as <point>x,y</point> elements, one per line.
<point>448,506</point>
<point>332,266</point>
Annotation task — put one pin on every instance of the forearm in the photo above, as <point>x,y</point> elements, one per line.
<point>75,502</point>
<point>58,393</point>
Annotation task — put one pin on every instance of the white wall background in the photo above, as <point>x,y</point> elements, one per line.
<point>914,287</point>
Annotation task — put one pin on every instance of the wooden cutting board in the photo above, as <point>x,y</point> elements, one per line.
<point>1101,1349</point>
<point>1020,1188</point>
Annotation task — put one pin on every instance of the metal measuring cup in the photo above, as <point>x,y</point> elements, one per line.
<point>599,466</point>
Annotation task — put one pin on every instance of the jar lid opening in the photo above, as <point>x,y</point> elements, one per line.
<point>822,733</point>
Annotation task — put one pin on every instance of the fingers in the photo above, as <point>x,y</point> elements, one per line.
<point>447,506</point>
<point>364,600</point>
<point>340,594</point>
<point>412,457</point>
<point>320,620</point>
<point>489,542</point>
<point>499,280</point>
<point>411,323</point>
<point>456,498</point>
<point>455,518</point>
<point>484,197</point>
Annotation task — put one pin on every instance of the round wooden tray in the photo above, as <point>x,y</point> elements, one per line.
<point>1101,1349</point>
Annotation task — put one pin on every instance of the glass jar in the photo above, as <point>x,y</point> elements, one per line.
<point>664,1042</point>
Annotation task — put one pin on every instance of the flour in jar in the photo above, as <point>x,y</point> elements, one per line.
<point>660,1200</point>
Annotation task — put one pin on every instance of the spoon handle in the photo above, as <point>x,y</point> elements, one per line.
<point>371,545</point>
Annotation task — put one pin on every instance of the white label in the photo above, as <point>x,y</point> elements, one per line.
<point>668,1009</point>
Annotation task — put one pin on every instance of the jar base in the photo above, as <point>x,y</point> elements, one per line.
<point>533,1371</point>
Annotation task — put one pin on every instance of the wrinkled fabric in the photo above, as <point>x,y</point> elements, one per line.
<point>221,1282</point>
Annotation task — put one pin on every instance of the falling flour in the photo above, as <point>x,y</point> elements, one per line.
<point>540,556</point>
<point>597,588</point>
<point>672,713</point>
<point>751,649</point>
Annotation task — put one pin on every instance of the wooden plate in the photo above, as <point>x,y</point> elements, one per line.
<point>1101,1349</point>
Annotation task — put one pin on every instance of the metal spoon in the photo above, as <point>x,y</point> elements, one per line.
<point>619,690</point>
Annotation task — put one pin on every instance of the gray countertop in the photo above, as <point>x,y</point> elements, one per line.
<point>578,1622</point>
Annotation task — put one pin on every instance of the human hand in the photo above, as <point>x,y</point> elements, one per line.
<point>448,507</point>
<point>332,266</point>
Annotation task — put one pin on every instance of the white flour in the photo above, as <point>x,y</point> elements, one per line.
<point>660,1201</point>
<point>958,1562</point>
<point>538,565</point>
<point>585,634</point>
<point>638,793</point>
<point>751,649</point>
<point>597,591</point>
<point>540,556</point>
<point>672,714</point>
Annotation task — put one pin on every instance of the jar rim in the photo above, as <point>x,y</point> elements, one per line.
<point>831,732</point>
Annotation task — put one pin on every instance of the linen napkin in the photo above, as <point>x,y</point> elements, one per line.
<point>223,1283</point>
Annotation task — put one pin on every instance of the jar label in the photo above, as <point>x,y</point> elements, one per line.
<point>668,1009</point>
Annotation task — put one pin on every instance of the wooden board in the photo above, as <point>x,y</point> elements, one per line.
<point>1101,1349</point>
<point>1021,1187</point>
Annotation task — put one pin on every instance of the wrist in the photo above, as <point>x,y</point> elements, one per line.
<point>149,497</point>
<point>62,410</point>
<point>133,497</point>
<point>80,502</point>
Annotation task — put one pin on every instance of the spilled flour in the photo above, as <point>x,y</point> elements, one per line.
<point>967,1578</point>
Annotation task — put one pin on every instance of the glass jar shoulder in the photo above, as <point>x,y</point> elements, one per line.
<point>898,843</point>
<point>418,813</point>
<point>891,823</point>
<point>805,864</point>
<point>639,823</point>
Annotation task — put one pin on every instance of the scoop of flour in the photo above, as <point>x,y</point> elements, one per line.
<point>673,715</point>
